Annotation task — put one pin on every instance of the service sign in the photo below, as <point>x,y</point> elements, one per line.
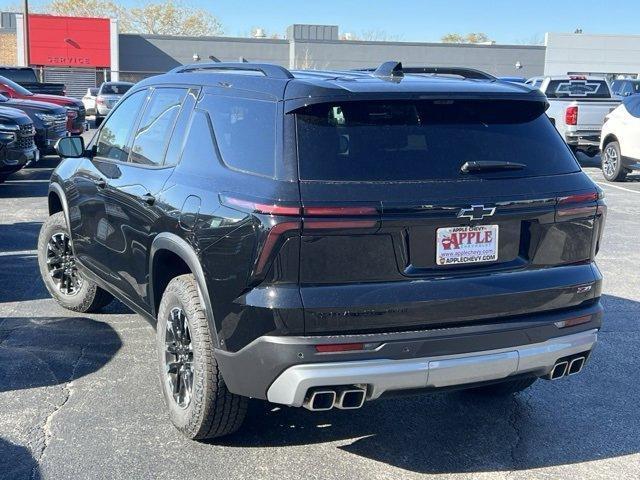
<point>468,244</point>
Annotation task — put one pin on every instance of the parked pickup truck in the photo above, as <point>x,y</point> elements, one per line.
<point>27,77</point>
<point>578,106</point>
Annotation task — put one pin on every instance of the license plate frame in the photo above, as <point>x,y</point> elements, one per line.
<point>467,244</point>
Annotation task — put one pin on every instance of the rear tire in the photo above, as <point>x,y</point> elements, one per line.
<point>504,389</point>
<point>612,168</point>
<point>199,403</point>
<point>98,121</point>
<point>64,282</point>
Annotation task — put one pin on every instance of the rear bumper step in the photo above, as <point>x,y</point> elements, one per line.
<point>384,375</point>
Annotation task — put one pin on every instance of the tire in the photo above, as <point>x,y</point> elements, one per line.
<point>208,410</point>
<point>98,121</point>
<point>85,296</point>
<point>504,389</point>
<point>612,168</point>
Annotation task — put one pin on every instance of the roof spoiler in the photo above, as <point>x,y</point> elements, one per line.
<point>395,69</point>
<point>267,69</point>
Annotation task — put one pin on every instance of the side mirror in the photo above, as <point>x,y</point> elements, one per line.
<point>70,147</point>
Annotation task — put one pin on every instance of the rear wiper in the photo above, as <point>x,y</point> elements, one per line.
<point>487,166</point>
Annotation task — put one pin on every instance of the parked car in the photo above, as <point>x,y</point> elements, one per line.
<point>108,96</point>
<point>578,106</point>
<point>626,87</point>
<point>89,100</point>
<point>319,239</point>
<point>26,77</point>
<point>17,147</point>
<point>49,121</point>
<point>620,145</point>
<point>76,122</point>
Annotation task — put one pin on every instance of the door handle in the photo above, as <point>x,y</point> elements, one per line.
<point>148,199</point>
<point>100,183</point>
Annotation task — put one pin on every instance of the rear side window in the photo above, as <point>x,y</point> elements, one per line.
<point>20,75</point>
<point>245,132</point>
<point>115,88</point>
<point>426,140</point>
<point>156,126</point>
<point>578,89</point>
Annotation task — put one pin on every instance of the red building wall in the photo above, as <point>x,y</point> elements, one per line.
<point>69,41</point>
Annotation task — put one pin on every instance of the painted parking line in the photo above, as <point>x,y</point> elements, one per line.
<point>618,187</point>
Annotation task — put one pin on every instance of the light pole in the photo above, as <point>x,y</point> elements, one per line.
<point>25,4</point>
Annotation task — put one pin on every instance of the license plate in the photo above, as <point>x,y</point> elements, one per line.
<point>469,244</point>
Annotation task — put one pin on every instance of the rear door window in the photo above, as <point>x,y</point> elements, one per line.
<point>426,140</point>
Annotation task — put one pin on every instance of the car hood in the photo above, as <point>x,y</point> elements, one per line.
<point>31,106</point>
<point>57,99</point>
<point>14,116</point>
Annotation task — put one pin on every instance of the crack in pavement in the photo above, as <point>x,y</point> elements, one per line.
<point>45,429</point>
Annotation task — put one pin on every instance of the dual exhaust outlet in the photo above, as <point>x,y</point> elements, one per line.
<point>567,367</point>
<point>326,398</point>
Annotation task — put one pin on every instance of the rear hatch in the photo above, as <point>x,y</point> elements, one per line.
<point>428,213</point>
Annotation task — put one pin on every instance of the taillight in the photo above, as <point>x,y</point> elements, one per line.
<point>321,217</point>
<point>571,115</point>
<point>584,204</point>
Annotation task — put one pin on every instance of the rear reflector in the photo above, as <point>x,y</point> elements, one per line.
<point>339,347</point>
<point>571,115</point>
<point>572,322</point>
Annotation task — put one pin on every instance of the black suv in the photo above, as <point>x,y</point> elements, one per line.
<point>49,121</point>
<point>320,239</point>
<point>17,147</point>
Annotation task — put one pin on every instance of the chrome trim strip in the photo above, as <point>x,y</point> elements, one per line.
<point>384,375</point>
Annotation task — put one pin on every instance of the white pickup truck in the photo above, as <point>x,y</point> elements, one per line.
<point>578,107</point>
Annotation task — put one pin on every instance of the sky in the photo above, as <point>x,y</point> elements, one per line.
<point>427,20</point>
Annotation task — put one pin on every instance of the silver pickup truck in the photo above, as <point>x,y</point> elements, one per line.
<point>578,106</point>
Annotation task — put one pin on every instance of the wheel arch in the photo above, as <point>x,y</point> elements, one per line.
<point>168,246</point>
<point>57,202</point>
<point>608,139</point>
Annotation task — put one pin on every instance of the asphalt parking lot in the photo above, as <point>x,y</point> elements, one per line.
<point>80,398</point>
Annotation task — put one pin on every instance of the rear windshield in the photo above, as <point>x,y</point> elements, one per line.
<point>578,89</point>
<point>426,140</point>
<point>115,88</point>
<point>19,75</point>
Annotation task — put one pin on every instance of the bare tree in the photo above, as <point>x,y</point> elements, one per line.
<point>474,37</point>
<point>169,17</point>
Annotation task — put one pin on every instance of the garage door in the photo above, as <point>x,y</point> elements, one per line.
<point>76,81</point>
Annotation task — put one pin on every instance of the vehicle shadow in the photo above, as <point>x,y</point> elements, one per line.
<point>32,181</point>
<point>19,236</point>
<point>583,418</point>
<point>17,462</point>
<point>45,351</point>
<point>21,278</point>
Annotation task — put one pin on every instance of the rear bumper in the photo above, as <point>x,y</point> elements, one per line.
<point>384,375</point>
<point>282,368</point>
<point>583,138</point>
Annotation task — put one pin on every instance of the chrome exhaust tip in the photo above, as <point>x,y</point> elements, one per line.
<point>559,370</point>
<point>576,365</point>
<point>351,399</point>
<point>320,400</point>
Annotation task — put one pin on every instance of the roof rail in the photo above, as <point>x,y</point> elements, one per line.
<point>471,73</point>
<point>395,69</point>
<point>267,69</point>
